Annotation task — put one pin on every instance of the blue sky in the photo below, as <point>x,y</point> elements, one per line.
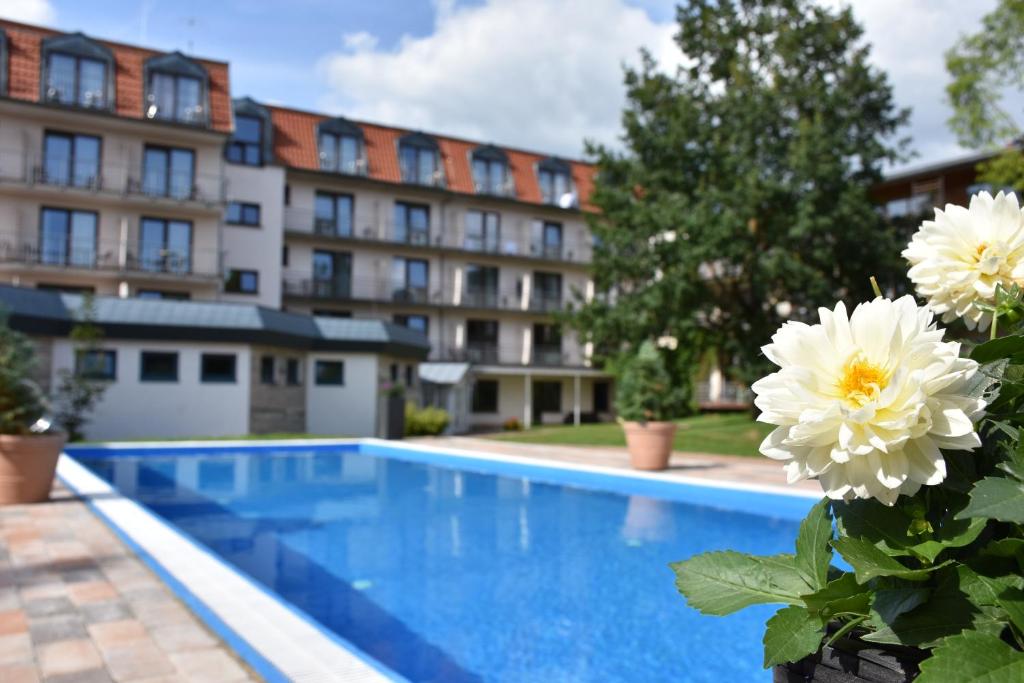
<point>539,74</point>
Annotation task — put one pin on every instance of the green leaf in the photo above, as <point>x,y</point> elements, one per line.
<point>1012,600</point>
<point>954,533</point>
<point>996,498</point>
<point>791,635</point>
<point>884,526</point>
<point>813,552</point>
<point>973,657</point>
<point>889,603</point>
<point>1005,547</point>
<point>726,581</point>
<point>997,349</point>
<point>839,595</point>
<point>869,562</point>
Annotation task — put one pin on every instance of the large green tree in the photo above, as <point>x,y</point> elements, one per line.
<point>741,197</point>
<point>983,67</point>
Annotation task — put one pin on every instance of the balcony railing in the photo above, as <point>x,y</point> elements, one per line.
<point>491,353</point>
<point>545,303</point>
<point>111,255</point>
<point>549,355</point>
<point>482,299</point>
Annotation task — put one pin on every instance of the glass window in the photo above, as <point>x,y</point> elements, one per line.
<point>419,165</point>
<point>71,160</point>
<point>412,223</point>
<point>547,291</point>
<point>76,80</point>
<point>409,279</point>
<point>242,213</point>
<point>340,153</point>
<point>490,176</point>
<point>332,273</point>
<point>168,172</point>
<point>68,238</point>
<point>419,323</point>
<point>246,144</point>
<point>547,397</point>
<point>242,281</point>
<point>554,185</point>
<point>267,370</point>
<point>96,364</point>
<point>217,367</point>
<point>482,231</point>
<point>158,366</point>
<point>547,239</point>
<point>165,246</point>
<point>481,285</point>
<point>293,376</point>
<point>330,372</point>
<point>485,396</point>
<point>162,294</point>
<point>175,97</point>
<point>333,214</point>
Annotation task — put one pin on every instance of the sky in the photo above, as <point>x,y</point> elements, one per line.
<point>537,74</point>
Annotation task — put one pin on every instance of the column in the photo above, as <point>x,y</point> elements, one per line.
<point>576,400</point>
<point>527,401</point>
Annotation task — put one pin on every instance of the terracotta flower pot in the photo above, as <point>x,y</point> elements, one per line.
<point>649,443</point>
<point>27,464</point>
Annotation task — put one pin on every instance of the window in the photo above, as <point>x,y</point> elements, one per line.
<point>158,366</point>
<point>547,344</point>
<point>242,213</point>
<point>333,214</point>
<point>332,274</point>
<point>168,172</point>
<point>490,171</point>
<point>217,368</point>
<point>340,153</point>
<point>287,195</point>
<point>547,397</point>
<point>71,160</point>
<point>485,396</point>
<point>547,239</point>
<point>293,376</point>
<point>409,376</point>
<point>409,279</point>
<point>555,183</point>
<point>66,289</point>
<point>268,370</point>
<point>3,62</point>
<point>330,313</point>
<point>330,372</point>
<point>547,291</point>
<point>412,223</point>
<point>242,281</point>
<point>96,364</point>
<point>176,89</point>
<point>246,143</point>
<point>165,246</point>
<point>909,206</point>
<point>481,286</point>
<point>394,373</point>
<point>67,238</point>
<point>420,323</point>
<point>601,394</point>
<point>284,255</point>
<point>482,341</point>
<point>162,294</point>
<point>419,160</point>
<point>76,79</point>
<point>482,231</point>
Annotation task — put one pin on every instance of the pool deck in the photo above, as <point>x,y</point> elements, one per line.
<point>77,606</point>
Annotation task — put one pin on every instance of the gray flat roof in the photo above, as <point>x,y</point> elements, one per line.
<point>54,313</point>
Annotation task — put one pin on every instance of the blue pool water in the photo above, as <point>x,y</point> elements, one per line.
<point>458,571</point>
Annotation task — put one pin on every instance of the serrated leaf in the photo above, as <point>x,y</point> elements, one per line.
<point>997,349</point>
<point>869,562</point>
<point>973,657</point>
<point>1012,600</point>
<point>791,635</point>
<point>954,533</point>
<point>843,594</point>
<point>889,603</point>
<point>885,527</point>
<point>813,552</point>
<point>996,498</point>
<point>726,581</point>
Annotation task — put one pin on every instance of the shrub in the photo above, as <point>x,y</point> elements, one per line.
<point>21,402</point>
<point>645,390</point>
<point>427,421</point>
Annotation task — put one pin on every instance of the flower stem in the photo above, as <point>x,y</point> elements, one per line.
<point>874,286</point>
<point>995,322</point>
<point>846,628</point>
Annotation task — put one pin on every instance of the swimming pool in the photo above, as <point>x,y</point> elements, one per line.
<point>449,568</point>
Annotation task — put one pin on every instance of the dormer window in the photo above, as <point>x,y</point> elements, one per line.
<point>341,147</point>
<point>420,160</point>
<point>176,89</point>
<point>3,62</point>
<point>251,142</point>
<point>490,171</point>
<point>555,180</point>
<point>77,71</point>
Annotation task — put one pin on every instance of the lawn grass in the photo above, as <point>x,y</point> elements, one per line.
<point>720,433</point>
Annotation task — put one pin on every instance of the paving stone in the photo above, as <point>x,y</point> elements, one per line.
<point>15,648</point>
<point>181,637</point>
<point>98,612</point>
<point>91,591</point>
<point>113,634</point>
<point>13,621</point>
<point>52,629</point>
<point>68,657</point>
<point>141,659</point>
<point>48,607</point>
<point>90,676</point>
<point>19,673</point>
<point>208,666</point>
<point>42,591</point>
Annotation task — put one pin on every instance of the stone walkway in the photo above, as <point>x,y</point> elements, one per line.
<point>77,606</point>
<point>703,465</point>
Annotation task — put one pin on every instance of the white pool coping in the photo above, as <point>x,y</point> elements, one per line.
<point>299,650</point>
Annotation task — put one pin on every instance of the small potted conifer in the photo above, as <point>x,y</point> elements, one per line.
<point>28,449</point>
<point>647,401</point>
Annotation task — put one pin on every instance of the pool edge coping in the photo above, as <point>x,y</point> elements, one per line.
<point>261,642</point>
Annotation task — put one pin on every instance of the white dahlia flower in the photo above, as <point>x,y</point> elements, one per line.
<point>957,260</point>
<point>865,402</point>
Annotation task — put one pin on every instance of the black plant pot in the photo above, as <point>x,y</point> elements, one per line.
<point>395,427</point>
<point>850,660</point>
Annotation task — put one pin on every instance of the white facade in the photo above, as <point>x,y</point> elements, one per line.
<point>347,408</point>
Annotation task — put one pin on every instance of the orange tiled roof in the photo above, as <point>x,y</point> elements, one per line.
<point>295,145</point>
<point>24,43</point>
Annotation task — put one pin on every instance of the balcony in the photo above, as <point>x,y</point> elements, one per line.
<point>481,353</point>
<point>483,299</point>
<point>548,355</point>
<point>545,303</point>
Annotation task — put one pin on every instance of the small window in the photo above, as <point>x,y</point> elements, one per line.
<point>267,370</point>
<point>419,160</point>
<point>96,364</point>
<point>293,376</point>
<point>246,144</point>
<point>242,213</point>
<point>162,294</point>
<point>284,255</point>
<point>394,372</point>
<point>330,372</point>
<point>158,366</point>
<point>408,375</point>
<point>71,159</point>
<point>176,89</point>
<point>485,396</point>
<point>242,282</point>
<point>331,313</point>
<point>217,367</point>
<point>420,323</point>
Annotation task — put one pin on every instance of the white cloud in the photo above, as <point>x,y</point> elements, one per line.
<point>541,74</point>
<point>29,11</point>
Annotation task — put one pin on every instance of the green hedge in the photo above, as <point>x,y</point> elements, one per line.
<point>424,421</point>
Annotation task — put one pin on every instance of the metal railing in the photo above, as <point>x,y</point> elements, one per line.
<point>546,303</point>
<point>511,354</point>
<point>548,355</point>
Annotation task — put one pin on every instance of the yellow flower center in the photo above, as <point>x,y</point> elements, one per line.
<point>862,381</point>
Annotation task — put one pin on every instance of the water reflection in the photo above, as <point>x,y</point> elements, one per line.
<point>648,519</point>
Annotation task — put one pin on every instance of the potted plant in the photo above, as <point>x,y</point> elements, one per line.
<point>918,450</point>
<point>646,402</point>
<point>28,450</point>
